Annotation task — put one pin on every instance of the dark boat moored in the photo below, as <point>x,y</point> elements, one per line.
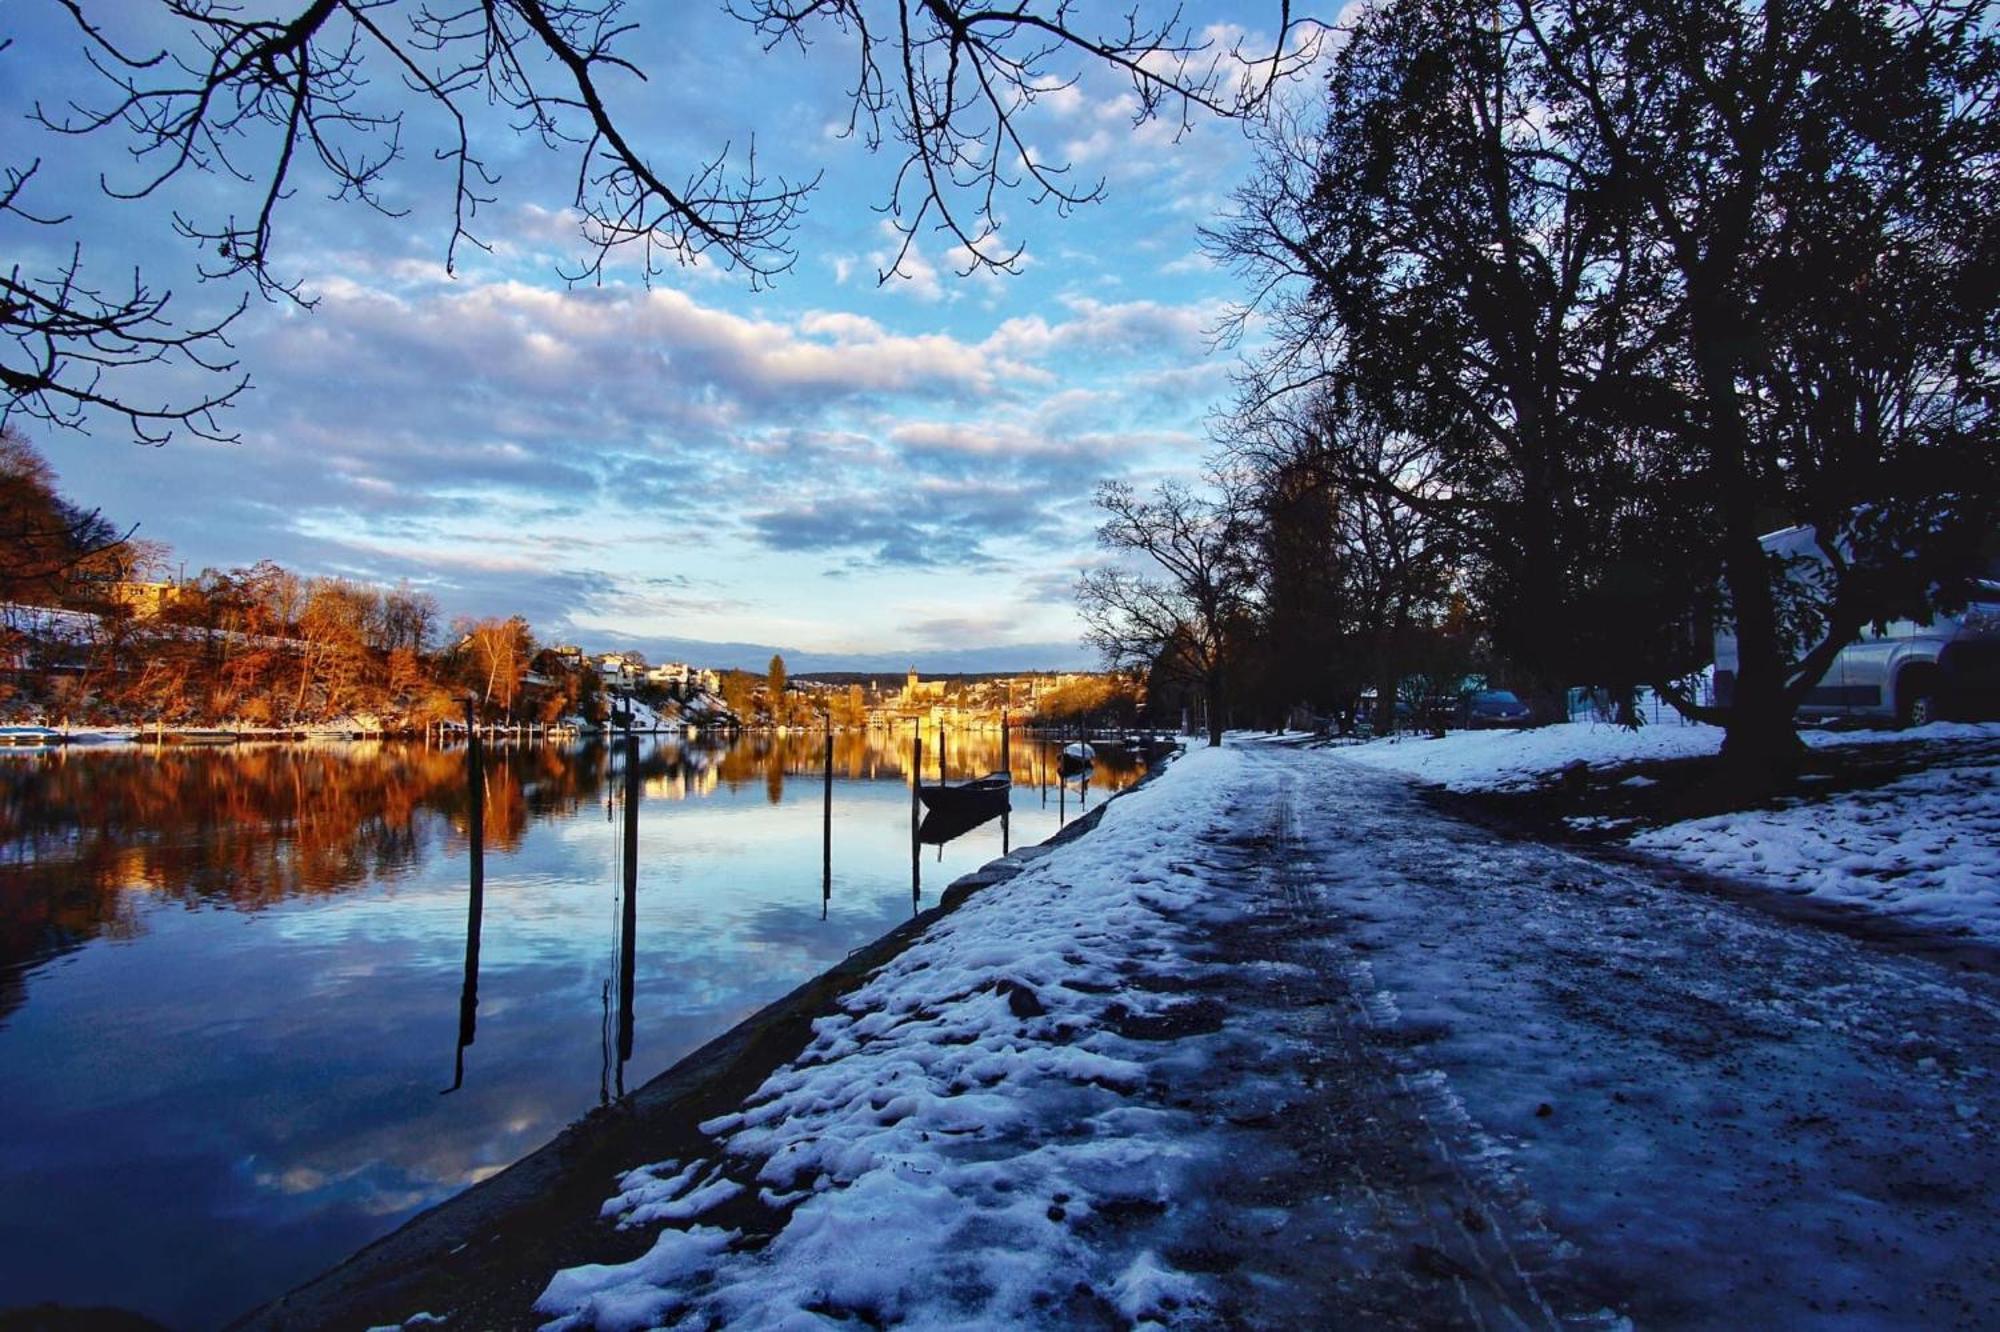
<point>984,795</point>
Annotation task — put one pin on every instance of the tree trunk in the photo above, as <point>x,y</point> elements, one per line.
<point>1385,702</point>
<point>1760,747</point>
<point>1548,704</point>
<point>1214,709</point>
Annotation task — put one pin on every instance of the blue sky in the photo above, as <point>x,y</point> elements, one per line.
<point>834,466</point>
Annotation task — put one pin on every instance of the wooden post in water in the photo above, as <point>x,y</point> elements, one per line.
<point>916,817</point>
<point>628,937</point>
<point>940,751</point>
<point>475,908</point>
<point>826,828</point>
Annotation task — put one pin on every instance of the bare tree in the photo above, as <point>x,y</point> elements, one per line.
<point>498,650</point>
<point>1358,563</point>
<point>1178,621</point>
<point>950,81</point>
<point>325,95</point>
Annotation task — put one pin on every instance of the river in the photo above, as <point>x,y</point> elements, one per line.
<point>252,1016</point>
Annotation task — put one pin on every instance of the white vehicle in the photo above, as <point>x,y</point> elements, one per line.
<point>1908,672</point>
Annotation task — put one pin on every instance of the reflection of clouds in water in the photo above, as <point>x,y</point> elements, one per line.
<point>375,1189</point>
<point>298,1179</point>
<point>297,1029</point>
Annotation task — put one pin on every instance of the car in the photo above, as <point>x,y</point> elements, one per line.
<point>1906,672</point>
<point>1492,707</point>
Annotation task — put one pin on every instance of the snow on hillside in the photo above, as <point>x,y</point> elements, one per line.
<point>1924,847</point>
<point>1507,760</point>
<point>1511,760</point>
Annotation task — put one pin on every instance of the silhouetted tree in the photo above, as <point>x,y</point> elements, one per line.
<point>1177,618</point>
<point>46,543</point>
<point>1355,579</point>
<point>1640,279</point>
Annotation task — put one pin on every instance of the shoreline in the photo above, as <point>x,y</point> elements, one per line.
<point>495,1244</point>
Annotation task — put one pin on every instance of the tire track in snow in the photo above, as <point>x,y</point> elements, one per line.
<point>1438,1187</point>
<point>1737,1119</point>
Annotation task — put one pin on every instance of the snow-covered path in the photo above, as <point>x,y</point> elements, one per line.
<point>1278,1045</point>
<point>1734,1120</point>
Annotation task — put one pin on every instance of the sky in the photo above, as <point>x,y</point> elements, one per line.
<point>861,473</point>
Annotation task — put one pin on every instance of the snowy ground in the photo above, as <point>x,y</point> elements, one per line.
<point>1504,760</point>
<point>1278,1045</point>
<point>1924,848</point>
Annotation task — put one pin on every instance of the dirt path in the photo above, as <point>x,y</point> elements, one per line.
<point>1623,1096</point>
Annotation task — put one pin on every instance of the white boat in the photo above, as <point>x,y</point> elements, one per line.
<point>30,735</point>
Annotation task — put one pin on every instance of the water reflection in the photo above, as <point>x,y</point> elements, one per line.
<point>628,927</point>
<point>947,825</point>
<point>475,899</point>
<point>228,977</point>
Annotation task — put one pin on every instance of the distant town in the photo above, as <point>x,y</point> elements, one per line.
<point>94,637</point>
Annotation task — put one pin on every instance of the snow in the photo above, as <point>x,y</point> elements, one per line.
<point>1456,1077</point>
<point>1512,760</point>
<point>1504,759</point>
<point>1925,847</point>
<point>645,1197</point>
<point>967,1104</point>
<point>624,1296</point>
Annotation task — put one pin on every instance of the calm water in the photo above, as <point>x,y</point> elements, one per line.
<point>231,980</point>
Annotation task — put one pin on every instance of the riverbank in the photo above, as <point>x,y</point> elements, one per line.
<point>1279,1044</point>
<point>485,1252</point>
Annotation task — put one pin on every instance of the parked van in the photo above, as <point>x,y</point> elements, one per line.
<point>1908,673</point>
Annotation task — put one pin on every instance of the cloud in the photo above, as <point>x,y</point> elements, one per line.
<point>934,523</point>
<point>515,448</point>
<point>1130,329</point>
<point>954,630</point>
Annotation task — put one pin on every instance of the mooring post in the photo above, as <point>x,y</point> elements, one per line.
<point>475,906</point>
<point>628,938</point>
<point>826,828</point>
<point>916,816</point>
<point>475,776</point>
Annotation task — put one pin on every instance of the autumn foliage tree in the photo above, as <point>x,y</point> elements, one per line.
<point>496,654</point>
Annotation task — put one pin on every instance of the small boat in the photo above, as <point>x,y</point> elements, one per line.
<point>37,736</point>
<point>1075,758</point>
<point>990,792</point>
